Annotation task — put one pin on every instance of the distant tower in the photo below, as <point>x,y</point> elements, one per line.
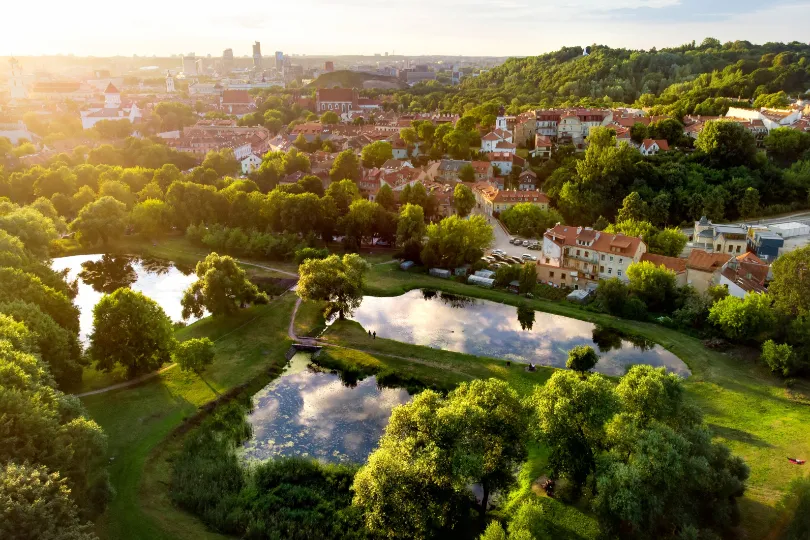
<point>169,82</point>
<point>257,55</point>
<point>15,81</point>
<point>112,97</point>
<point>190,65</point>
<point>227,60</point>
<point>279,61</point>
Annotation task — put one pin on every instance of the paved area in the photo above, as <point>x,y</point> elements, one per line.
<point>502,239</point>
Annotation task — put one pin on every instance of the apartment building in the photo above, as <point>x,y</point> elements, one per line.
<point>578,257</point>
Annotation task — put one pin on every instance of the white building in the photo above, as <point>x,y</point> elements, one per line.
<point>16,82</point>
<point>250,163</point>
<point>169,83</point>
<point>650,147</point>
<point>16,131</point>
<point>771,118</point>
<point>499,140</point>
<point>113,109</point>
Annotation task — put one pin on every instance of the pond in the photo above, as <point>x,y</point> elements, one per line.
<point>311,413</point>
<point>485,328</point>
<point>160,280</point>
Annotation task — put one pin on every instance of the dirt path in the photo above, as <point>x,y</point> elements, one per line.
<point>280,271</point>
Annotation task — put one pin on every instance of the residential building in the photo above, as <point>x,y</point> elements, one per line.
<point>14,131</point>
<point>236,102</point>
<point>650,147</point>
<point>578,257</point>
<point>506,161</point>
<point>527,181</point>
<point>525,128</point>
<point>571,126</point>
<point>743,274</point>
<point>204,89</point>
<point>770,118</point>
<point>483,170</point>
<point>250,163</point>
<point>765,244</point>
<point>703,268</point>
<point>542,147</point>
<point>493,201</point>
<point>713,238</point>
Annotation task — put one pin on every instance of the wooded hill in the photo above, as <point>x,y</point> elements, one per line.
<point>683,80</point>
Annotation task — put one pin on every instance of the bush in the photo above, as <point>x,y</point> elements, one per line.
<point>303,254</point>
<point>779,358</point>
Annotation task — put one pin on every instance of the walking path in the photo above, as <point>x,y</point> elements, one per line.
<point>280,271</point>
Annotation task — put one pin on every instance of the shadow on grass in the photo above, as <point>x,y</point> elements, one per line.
<point>739,436</point>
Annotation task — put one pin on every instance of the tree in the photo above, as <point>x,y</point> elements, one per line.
<point>222,161</point>
<point>779,358</point>
<point>655,285</point>
<point>346,166</point>
<point>118,190</point>
<point>58,347</point>
<point>408,135</point>
<point>386,198</point>
<point>32,228</point>
<point>466,173</point>
<point>790,287</point>
<point>749,318</point>
<point>35,504</point>
<point>528,278</point>
<point>17,284</point>
<point>570,417</point>
<point>222,287</point>
<point>463,200</point>
<point>337,281</point>
<point>130,330</point>
<point>151,218</point>
<point>726,144</point>
<point>114,129</point>
<point>527,219</point>
<point>795,505</point>
<point>454,241</point>
<point>312,184</point>
<point>343,192</point>
<point>103,219</point>
<point>376,153</point>
<point>411,230</point>
<point>329,118</point>
<point>633,208</point>
<point>670,242</point>
<point>638,132</point>
<point>785,145</point>
<point>749,204</point>
<point>194,354</point>
<point>581,359</point>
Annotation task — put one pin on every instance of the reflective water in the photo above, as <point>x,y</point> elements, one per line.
<point>100,274</point>
<point>484,328</point>
<point>312,413</point>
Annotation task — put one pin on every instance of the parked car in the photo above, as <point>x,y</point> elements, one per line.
<point>498,252</point>
<point>534,246</point>
<point>514,241</point>
<point>515,260</point>
<point>528,257</point>
<point>525,243</point>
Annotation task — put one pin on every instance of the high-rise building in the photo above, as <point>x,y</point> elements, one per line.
<point>279,60</point>
<point>329,66</point>
<point>190,65</point>
<point>257,55</point>
<point>227,60</point>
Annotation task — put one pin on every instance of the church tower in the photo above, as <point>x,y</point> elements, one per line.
<point>16,82</point>
<point>169,83</point>
<point>112,97</point>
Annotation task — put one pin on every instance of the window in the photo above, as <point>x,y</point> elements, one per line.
<point>587,254</point>
<point>610,270</point>
<point>620,260</point>
<point>719,248</point>
<point>603,257</point>
<point>738,249</point>
<point>547,260</point>
<point>730,249</point>
<point>602,269</point>
<point>611,258</point>
<point>618,272</point>
<point>551,274</point>
<point>577,253</point>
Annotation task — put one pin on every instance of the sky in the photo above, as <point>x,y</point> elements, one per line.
<point>410,27</point>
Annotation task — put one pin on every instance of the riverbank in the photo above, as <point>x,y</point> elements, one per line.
<point>138,419</point>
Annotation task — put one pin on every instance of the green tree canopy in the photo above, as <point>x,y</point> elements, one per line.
<point>463,200</point>
<point>130,330</point>
<point>726,143</point>
<point>194,354</point>
<point>655,285</point>
<point>455,241</point>
<point>376,153</point>
<point>345,166</point>
<point>151,217</point>
<point>581,359</point>
<point>102,220</point>
<point>337,281</point>
<point>749,318</point>
<point>790,287</point>
<point>222,287</point>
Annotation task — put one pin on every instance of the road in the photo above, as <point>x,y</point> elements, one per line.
<point>502,239</point>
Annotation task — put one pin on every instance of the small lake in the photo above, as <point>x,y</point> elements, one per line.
<point>485,328</point>
<point>99,274</point>
<point>311,413</point>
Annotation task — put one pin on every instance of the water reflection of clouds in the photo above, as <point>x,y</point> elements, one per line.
<point>164,284</point>
<point>313,414</point>
<point>489,329</point>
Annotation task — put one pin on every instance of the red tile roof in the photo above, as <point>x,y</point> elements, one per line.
<point>503,196</point>
<point>675,264</point>
<point>568,235</point>
<point>662,144</point>
<point>706,262</point>
<point>111,89</point>
<point>236,97</point>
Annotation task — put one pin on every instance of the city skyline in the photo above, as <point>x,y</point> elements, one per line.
<point>437,27</point>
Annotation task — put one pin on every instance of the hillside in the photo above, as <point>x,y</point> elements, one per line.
<point>354,79</point>
<point>690,74</point>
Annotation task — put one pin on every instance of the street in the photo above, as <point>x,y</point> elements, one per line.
<point>502,239</point>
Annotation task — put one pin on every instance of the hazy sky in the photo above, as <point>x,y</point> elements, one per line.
<point>471,27</point>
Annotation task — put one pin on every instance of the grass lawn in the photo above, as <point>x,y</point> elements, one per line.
<point>137,419</point>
